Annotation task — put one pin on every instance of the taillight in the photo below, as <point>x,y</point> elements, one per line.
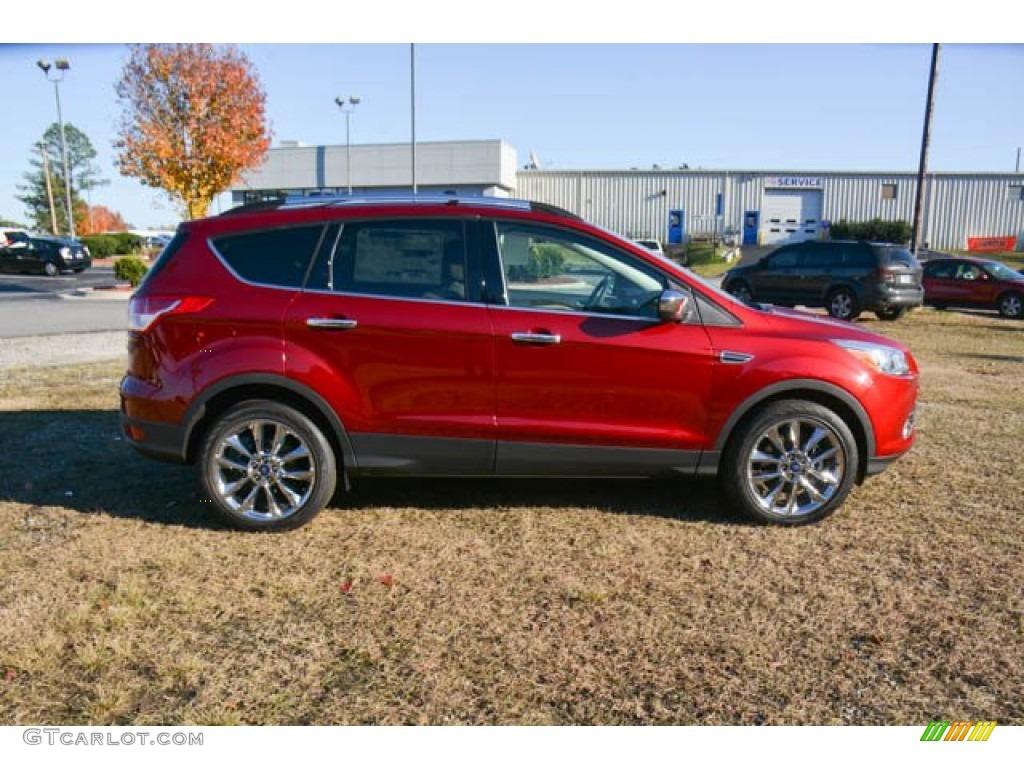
<point>885,276</point>
<point>144,311</point>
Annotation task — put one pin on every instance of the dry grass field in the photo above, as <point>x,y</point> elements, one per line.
<point>518,602</point>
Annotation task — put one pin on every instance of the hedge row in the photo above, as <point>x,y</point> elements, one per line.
<point>876,230</point>
<point>117,244</point>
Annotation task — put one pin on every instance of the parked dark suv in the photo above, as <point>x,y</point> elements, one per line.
<point>844,277</point>
<point>282,347</point>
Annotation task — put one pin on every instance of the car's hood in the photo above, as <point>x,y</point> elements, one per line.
<point>796,322</point>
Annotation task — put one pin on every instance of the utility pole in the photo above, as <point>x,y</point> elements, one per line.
<point>1017,169</point>
<point>412,91</point>
<point>61,66</point>
<point>923,167</point>
<point>49,189</point>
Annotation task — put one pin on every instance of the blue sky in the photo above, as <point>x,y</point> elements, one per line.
<point>739,106</point>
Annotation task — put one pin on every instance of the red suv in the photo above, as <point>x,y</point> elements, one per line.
<point>280,347</point>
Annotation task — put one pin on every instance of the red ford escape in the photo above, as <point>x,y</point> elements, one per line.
<point>285,348</point>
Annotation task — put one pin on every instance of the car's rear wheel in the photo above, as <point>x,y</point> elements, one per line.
<point>50,269</point>
<point>742,292</point>
<point>842,304</point>
<point>891,313</point>
<point>793,462</point>
<point>1010,305</point>
<point>266,467</point>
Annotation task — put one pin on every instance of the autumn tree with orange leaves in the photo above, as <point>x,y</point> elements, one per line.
<point>96,219</point>
<point>193,120</point>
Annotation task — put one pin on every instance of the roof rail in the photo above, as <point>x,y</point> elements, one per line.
<point>330,200</point>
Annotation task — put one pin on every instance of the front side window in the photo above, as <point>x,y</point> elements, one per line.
<point>550,269</point>
<point>784,259</point>
<point>423,259</point>
<point>968,272</point>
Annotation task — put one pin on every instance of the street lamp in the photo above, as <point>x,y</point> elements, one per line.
<point>347,106</point>
<point>61,66</point>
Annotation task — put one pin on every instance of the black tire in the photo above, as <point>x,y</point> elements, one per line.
<point>1011,305</point>
<point>891,313</point>
<point>842,304</point>
<point>50,269</point>
<point>763,445</point>
<point>939,307</point>
<point>265,466</point>
<point>742,291</point>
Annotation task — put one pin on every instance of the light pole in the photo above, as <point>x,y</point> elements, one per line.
<point>61,66</point>
<point>347,107</point>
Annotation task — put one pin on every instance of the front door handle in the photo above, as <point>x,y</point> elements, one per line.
<point>537,338</point>
<point>331,323</point>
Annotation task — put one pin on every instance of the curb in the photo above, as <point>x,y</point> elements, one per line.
<point>104,293</point>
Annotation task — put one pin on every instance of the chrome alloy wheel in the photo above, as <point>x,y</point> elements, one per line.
<point>263,471</point>
<point>795,467</point>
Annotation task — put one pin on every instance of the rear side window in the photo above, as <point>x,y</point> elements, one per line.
<point>822,256</point>
<point>278,257</point>
<point>403,258</point>
<point>858,256</point>
<point>940,269</point>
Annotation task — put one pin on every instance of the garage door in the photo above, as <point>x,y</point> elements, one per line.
<point>790,215</point>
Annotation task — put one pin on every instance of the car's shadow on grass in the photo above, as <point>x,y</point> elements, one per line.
<point>77,460</point>
<point>685,499</point>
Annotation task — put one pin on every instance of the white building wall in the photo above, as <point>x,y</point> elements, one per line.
<point>477,164</point>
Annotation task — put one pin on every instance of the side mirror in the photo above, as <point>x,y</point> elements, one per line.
<point>675,306</point>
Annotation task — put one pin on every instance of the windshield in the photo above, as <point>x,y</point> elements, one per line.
<point>999,270</point>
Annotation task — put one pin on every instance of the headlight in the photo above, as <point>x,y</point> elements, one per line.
<point>882,358</point>
<point>65,252</point>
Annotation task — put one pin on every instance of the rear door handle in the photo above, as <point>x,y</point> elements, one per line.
<point>537,338</point>
<point>331,323</point>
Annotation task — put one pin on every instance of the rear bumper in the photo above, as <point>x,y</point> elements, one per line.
<point>165,442</point>
<point>888,296</point>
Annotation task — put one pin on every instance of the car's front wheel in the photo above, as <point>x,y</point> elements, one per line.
<point>266,467</point>
<point>50,269</point>
<point>742,292</point>
<point>793,462</point>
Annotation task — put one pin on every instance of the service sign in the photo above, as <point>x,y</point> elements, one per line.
<point>794,182</point>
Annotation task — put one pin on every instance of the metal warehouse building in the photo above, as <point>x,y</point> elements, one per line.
<point>750,207</point>
<point>771,207</point>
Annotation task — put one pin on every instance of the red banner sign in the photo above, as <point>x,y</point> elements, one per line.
<point>991,244</point>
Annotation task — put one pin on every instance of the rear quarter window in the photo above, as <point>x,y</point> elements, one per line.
<point>900,256</point>
<point>278,257</point>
